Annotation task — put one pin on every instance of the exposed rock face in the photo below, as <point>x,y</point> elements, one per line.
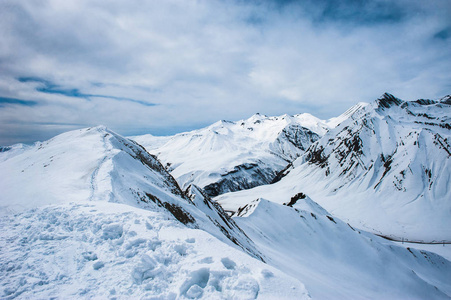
<point>386,142</point>
<point>242,177</point>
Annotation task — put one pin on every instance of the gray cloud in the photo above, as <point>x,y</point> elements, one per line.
<point>166,66</point>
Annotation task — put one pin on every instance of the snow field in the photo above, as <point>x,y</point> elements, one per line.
<point>106,250</point>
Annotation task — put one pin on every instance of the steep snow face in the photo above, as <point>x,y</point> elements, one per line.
<point>333,122</point>
<point>386,168</point>
<point>229,156</point>
<point>337,261</point>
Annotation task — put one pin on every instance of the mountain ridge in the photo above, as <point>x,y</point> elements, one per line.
<point>395,154</point>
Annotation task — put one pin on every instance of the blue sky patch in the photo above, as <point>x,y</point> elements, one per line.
<point>4,101</point>
<point>49,87</point>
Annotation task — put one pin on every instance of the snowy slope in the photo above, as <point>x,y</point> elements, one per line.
<point>229,156</point>
<point>92,214</point>
<point>81,165</point>
<point>10,151</point>
<point>386,169</point>
<point>337,261</point>
<point>106,250</point>
<point>96,164</point>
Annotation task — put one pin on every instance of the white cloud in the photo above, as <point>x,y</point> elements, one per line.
<point>201,61</point>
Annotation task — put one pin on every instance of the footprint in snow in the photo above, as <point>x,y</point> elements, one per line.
<point>206,260</point>
<point>228,263</point>
<point>194,285</point>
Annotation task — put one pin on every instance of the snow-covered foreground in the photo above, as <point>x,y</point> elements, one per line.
<point>107,250</point>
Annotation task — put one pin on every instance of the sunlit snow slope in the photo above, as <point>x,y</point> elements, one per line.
<point>386,168</point>
<point>337,261</point>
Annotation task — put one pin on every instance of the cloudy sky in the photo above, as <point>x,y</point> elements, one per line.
<point>166,66</point>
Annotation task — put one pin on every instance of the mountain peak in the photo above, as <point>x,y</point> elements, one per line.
<point>446,100</point>
<point>257,116</point>
<point>100,127</point>
<point>387,100</point>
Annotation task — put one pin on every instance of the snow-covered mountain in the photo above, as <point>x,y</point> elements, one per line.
<point>96,164</point>
<point>230,156</point>
<point>92,214</point>
<point>386,168</point>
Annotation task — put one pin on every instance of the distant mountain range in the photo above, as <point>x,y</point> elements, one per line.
<point>230,156</point>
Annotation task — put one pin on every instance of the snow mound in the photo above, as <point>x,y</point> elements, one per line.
<point>80,165</point>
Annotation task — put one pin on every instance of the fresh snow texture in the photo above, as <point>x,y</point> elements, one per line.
<point>107,250</point>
